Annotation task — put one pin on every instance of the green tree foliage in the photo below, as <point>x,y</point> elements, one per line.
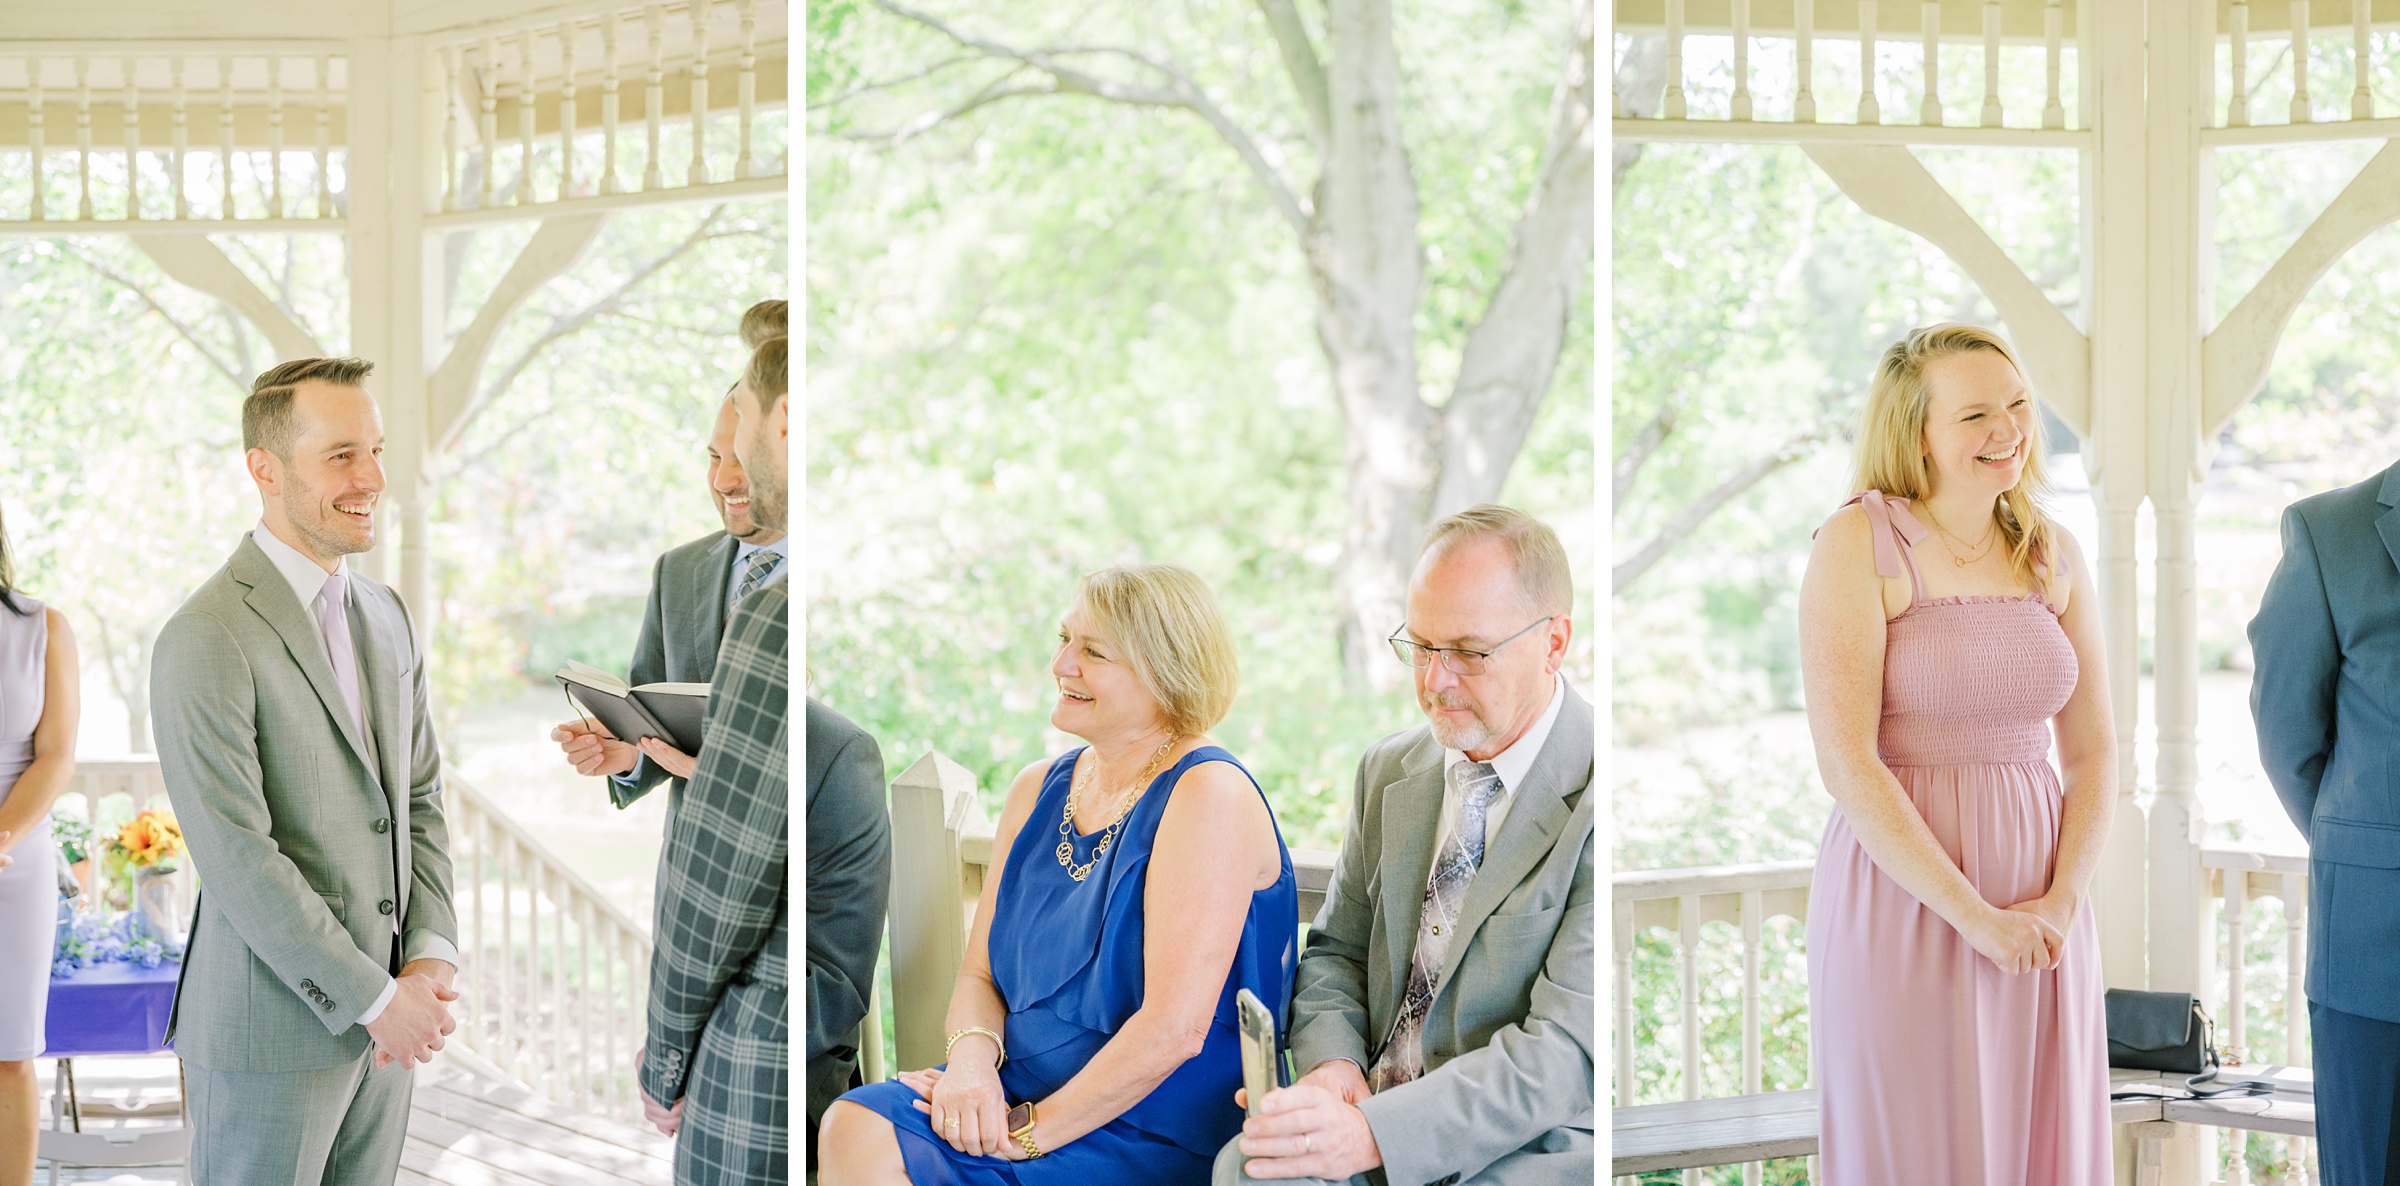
<point>1058,333</point>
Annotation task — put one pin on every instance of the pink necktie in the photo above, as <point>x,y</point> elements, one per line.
<point>334,622</point>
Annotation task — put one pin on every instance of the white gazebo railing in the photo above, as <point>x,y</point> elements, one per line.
<point>556,975</point>
<point>941,847</point>
<point>1682,901</point>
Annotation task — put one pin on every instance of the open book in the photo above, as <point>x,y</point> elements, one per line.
<point>669,712</point>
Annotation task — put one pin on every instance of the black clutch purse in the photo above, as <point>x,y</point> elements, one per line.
<point>2169,1032</point>
<point>2159,1031</point>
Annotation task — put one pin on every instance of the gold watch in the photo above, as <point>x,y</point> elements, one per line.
<point>1020,1128</point>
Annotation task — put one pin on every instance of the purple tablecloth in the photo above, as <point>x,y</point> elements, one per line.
<point>110,1008</point>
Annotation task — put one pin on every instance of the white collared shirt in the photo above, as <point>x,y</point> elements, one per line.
<point>1511,764</point>
<point>307,578</point>
<point>741,564</point>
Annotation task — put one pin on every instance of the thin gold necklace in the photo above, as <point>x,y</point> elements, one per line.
<point>1125,802</point>
<point>1989,537</point>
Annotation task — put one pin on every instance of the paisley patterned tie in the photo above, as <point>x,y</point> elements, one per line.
<point>1403,1057</point>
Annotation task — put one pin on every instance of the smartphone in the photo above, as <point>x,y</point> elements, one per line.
<point>1258,1047</point>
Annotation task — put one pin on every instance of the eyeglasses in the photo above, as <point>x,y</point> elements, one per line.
<point>1460,660</point>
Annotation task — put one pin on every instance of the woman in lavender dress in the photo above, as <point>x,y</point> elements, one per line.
<point>38,710</point>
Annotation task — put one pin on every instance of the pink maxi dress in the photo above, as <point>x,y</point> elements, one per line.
<point>1934,1065</point>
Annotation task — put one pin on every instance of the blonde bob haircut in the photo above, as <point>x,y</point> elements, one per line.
<point>1891,440</point>
<point>1168,624</point>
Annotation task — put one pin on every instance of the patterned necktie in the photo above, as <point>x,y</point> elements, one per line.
<point>334,623</point>
<point>1403,1057</point>
<point>763,563</point>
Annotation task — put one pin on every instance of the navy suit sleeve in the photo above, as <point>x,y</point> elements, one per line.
<point>2298,659</point>
<point>849,889</point>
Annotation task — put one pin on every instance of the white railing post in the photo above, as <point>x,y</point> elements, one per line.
<point>931,803</point>
<point>1622,913</point>
<point>2054,113</point>
<point>2362,96</point>
<point>2237,29</point>
<point>524,195</point>
<point>83,136</point>
<point>2300,53</point>
<point>654,97</point>
<point>1929,111</point>
<point>2236,892</point>
<point>566,110</point>
<point>449,57</point>
<point>324,116</point>
<point>2295,996</point>
<point>487,83</point>
<point>1992,117</point>
<point>609,27</point>
<point>33,128</point>
<point>1673,107</point>
<point>1741,59</point>
<point>746,95</point>
<point>1753,917</point>
<point>275,136</point>
<point>1804,37</point>
<point>133,142</point>
<point>698,174</point>
<point>1870,110</point>
<point>224,139</point>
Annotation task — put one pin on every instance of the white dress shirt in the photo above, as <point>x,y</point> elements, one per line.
<point>307,578</point>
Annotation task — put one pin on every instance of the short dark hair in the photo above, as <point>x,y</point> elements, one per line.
<point>769,377</point>
<point>766,319</point>
<point>267,414</point>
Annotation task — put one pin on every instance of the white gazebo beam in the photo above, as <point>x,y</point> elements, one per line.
<point>1890,183</point>
<point>2234,361</point>
<point>195,262</point>
<point>454,387</point>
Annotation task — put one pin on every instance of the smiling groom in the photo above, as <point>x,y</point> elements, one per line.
<point>292,733</point>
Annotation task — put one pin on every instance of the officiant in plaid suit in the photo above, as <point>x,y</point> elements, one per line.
<point>714,1065</point>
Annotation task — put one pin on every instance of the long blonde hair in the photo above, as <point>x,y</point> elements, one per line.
<point>1891,440</point>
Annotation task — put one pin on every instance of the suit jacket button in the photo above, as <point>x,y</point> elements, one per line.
<point>329,1006</point>
<point>382,826</point>
<point>385,906</point>
<point>308,984</point>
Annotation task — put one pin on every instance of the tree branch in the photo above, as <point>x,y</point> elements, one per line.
<point>903,80</point>
<point>1645,443</point>
<point>188,333</point>
<point>1689,519</point>
<point>1180,93</point>
<point>1300,61</point>
<point>1512,353</point>
<point>567,324</point>
<point>992,93</point>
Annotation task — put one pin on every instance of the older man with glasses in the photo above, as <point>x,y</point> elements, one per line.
<point>1443,1012</point>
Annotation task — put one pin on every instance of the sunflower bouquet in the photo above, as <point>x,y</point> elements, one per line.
<point>148,843</point>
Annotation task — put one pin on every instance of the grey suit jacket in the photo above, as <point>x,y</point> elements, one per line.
<point>1507,1092</point>
<point>306,852</point>
<point>849,892</point>
<point>2326,696</point>
<point>681,627</point>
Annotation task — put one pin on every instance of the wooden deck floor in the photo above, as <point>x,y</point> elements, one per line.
<point>463,1131</point>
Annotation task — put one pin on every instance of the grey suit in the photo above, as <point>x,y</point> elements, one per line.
<point>307,852</point>
<point>681,626</point>
<point>1507,1096</point>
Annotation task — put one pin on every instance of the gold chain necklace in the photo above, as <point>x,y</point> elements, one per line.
<point>1990,535</point>
<point>1125,802</point>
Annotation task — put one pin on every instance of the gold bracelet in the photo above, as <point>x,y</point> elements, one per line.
<point>976,1029</point>
<point>1031,1149</point>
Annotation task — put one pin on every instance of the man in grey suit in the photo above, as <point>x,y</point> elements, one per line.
<point>1443,1010</point>
<point>693,589</point>
<point>849,892</point>
<point>290,700</point>
<point>2327,647</point>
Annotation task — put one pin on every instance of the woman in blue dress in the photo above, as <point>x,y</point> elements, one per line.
<point>1092,1031</point>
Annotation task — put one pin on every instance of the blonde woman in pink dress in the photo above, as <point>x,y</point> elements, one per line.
<point>1949,632</point>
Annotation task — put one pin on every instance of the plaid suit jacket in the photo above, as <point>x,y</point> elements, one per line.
<point>720,973</point>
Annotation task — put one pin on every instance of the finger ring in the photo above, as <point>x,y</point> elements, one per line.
<point>1308,1144</point>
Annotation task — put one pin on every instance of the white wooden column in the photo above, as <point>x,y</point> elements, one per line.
<point>2116,198</point>
<point>393,143</point>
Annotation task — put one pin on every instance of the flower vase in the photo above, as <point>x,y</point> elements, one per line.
<point>155,908</point>
<point>82,870</point>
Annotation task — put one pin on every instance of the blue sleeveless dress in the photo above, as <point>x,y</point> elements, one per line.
<point>1067,958</point>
